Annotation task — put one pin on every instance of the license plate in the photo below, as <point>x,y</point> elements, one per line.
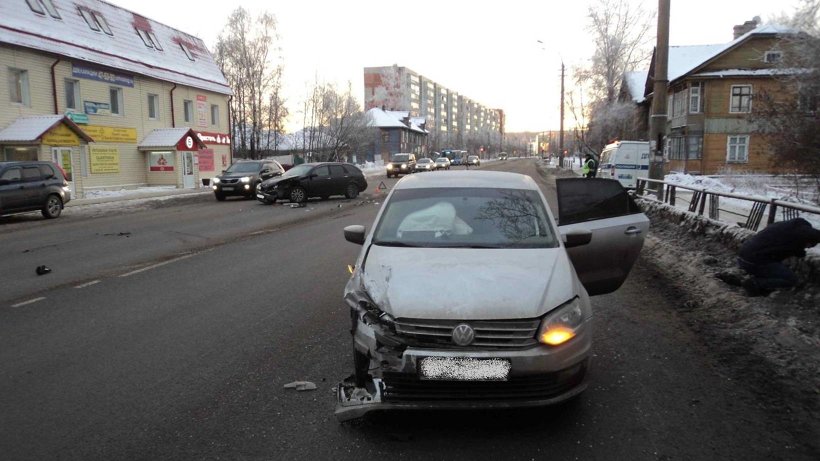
<point>227,188</point>
<point>464,369</point>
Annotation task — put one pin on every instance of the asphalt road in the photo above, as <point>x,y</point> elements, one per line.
<point>174,341</point>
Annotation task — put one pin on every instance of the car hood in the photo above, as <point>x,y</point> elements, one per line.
<point>277,180</point>
<point>237,175</point>
<point>468,284</point>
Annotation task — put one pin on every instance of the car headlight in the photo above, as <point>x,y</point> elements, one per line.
<point>245,179</point>
<point>216,181</point>
<point>562,324</point>
<point>403,166</point>
<point>389,166</point>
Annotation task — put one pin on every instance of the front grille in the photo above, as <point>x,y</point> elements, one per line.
<point>489,334</point>
<point>229,181</point>
<point>409,388</point>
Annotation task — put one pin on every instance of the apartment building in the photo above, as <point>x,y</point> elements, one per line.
<point>452,120</point>
<point>117,99</point>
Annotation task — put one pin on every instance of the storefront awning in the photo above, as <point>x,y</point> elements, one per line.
<point>30,130</point>
<point>171,139</point>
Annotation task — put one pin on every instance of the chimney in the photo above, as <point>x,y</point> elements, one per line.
<point>747,26</point>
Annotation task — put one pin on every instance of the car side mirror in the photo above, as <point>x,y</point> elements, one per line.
<point>223,171</point>
<point>355,234</point>
<point>577,237</point>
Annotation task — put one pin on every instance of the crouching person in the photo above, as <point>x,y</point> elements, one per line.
<point>762,255</point>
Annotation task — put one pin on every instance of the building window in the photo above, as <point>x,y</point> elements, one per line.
<point>18,87</point>
<point>186,51</point>
<point>694,98</point>
<point>694,147</point>
<point>96,21</point>
<point>679,102</point>
<point>214,115</point>
<point>737,149</point>
<point>149,39</point>
<point>153,106</point>
<point>807,99</point>
<point>741,99</point>
<point>772,57</point>
<point>115,95</point>
<point>188,110</point>
<point>72,94</point>
<point>41,6</point>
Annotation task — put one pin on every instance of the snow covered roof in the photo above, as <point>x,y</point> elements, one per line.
<point>379,118</point>
<point>124,48</point>
<point>417,122</point>
<point>636,83</point>
<point>167,138</point>
<point>30,129</point>
<point>751,72</point>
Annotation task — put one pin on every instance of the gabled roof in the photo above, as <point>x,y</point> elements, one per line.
<point>379,118</point>
<point>168,138</point>
<point>31,129</point>
<point>71,37</point>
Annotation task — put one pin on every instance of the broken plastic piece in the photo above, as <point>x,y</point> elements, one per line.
<point>301,386</point>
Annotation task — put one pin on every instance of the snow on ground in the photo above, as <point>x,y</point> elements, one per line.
<point>124,193</point>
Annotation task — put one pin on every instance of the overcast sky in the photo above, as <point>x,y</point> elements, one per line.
<point>487,51</point>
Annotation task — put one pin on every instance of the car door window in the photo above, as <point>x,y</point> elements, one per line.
<point>337,171</point>
<point>31,173</point>
<point>48,172</point>
<point>578,202</point>
<point>12,175</point>
<point>321,172</point>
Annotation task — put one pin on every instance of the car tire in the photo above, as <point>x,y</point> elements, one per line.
<point>298,195</point>
<point>352,191</point>
<point>219,196</point>
<point>53,207</point>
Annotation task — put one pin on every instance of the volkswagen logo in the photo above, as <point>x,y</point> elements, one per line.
<point>463,334</point>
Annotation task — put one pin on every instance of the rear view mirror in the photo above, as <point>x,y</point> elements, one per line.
<point>577,237</point>
<point>355,234</point>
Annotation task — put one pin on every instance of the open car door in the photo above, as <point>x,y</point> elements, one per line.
<point>603,207</point>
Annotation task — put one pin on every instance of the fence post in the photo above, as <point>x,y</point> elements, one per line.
<point>772,211</point>
<point>702,206</point>
<point>671,193</point>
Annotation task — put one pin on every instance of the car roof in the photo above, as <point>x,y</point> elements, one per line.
<point>480,179</point>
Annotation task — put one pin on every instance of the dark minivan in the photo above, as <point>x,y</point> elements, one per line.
<point>313,180</point>
<point>31,186</point>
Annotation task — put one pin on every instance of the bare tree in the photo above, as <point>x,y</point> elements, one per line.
<point>245,51</point>
<point>621,31</point>
<point>788,113</point>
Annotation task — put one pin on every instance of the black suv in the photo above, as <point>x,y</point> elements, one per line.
<point>31,186</point>
<point>313,180</point>
<point>401,164</point>
<point>242,177</point>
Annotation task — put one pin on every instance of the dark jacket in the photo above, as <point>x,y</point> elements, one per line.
<point>779,241</point>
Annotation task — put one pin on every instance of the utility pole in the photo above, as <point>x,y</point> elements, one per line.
<point>561,133</point>
<point>657,122</point>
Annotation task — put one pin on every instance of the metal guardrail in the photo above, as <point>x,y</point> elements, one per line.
<point>666,192</point>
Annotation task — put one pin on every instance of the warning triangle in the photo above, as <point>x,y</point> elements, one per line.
<point>382,186</point>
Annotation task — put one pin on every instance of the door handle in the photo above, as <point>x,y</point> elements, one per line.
<point>631,230</point>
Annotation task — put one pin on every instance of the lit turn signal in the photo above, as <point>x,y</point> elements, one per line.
<point>351,268</point>
<point>556,335</point>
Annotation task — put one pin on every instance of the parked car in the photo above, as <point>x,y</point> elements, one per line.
<point>401,164</point>
<point>32,186</point>
<point>502,156</point>
<point>473,160</point>
<point>313,180</point>
<point>516,329</point>
<point>425,164</point>
<point>244,176</point>
<point>442,163</point>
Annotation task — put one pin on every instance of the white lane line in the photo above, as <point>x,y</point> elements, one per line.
<point>148,268</point>
<point>30,301</point>
<point>88,284</point>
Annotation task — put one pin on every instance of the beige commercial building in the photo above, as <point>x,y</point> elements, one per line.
<point>116,99</point>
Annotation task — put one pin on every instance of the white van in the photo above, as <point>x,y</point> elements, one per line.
<point>625,161</point>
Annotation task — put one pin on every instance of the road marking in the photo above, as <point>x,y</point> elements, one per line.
<point>30,301</point>
<point>88,284</point>
<point>128,274</point>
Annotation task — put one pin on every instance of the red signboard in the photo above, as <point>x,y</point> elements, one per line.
<point>187,143</point>
<point>220,139</point>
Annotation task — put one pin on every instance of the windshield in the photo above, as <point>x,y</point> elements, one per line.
<point>243,167</point>
<point>425,160</point>
<point>465,218</point>
<point>400,158</point>
<point>298,170</point>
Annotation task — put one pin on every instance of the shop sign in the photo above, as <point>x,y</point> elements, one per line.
<point>214,138</point>
<point>61,135</point>
<point>104,159</point>
<point>77,118</point>
<point>202,110</point>
<point>97,108</point>
<point>93,73</point>
<point>111,133</point>
<point>187,143</point>
<point>206,159</point>
<point>161,161</point>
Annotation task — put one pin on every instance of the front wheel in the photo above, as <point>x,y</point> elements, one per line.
<point>53,207</point>
<point>352,191</point>
<point>298,195</point>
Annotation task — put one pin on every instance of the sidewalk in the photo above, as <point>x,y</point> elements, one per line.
<point>96,197</point>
